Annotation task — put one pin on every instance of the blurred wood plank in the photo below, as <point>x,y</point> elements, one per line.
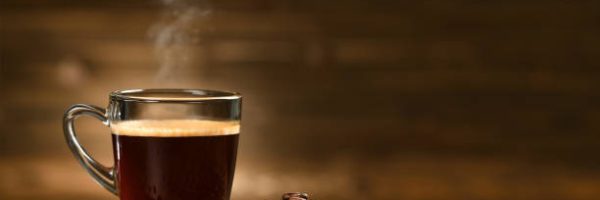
<point>80,22</point>
<point>380,99</point>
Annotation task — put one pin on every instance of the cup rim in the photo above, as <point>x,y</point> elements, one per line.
<point>172,95</point>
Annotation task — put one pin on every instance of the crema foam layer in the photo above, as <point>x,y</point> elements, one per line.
<point>175,128</point>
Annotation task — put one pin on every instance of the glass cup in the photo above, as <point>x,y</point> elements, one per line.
<point>167,143</point>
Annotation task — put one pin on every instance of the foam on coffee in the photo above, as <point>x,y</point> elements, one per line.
<point>175,128</point>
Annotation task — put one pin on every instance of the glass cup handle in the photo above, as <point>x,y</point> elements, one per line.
<point>105,176</point>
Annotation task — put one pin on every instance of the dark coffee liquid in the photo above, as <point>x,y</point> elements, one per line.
<point>175,168</point>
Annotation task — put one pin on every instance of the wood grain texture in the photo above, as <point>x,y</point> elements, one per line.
<point>344,99</point>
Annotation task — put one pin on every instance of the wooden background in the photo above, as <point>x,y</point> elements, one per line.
<point>343,99</point>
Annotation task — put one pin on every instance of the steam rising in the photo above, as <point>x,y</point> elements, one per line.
<point>177,34</point>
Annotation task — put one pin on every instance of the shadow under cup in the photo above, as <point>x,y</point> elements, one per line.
<point>167,143</point>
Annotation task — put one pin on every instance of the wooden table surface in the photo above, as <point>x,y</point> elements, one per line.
<point>344,99</point>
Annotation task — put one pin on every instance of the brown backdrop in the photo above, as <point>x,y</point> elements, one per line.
<point>343,99</point>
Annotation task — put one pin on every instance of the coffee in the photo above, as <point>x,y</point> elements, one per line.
<point>175,159</point>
